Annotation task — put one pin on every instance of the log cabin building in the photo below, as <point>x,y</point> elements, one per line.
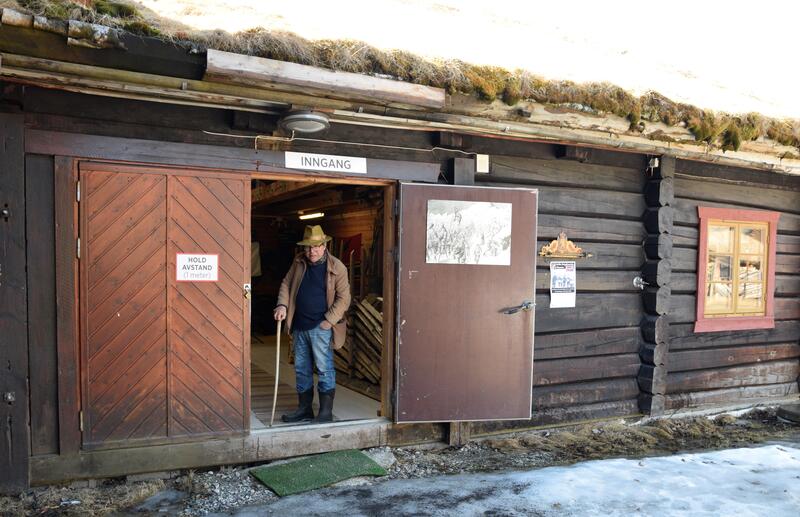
<point>119,165</point>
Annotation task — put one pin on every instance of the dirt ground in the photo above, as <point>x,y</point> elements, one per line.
<point>217,490</point>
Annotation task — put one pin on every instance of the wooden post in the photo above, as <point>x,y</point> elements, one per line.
<point>462,171</point>
<point>657,272</point>
<point>14,430</point>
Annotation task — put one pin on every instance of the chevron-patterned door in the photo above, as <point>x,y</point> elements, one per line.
<point>160,357</point>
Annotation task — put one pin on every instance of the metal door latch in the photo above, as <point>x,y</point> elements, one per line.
<point>527,305</point>
<point>247,291</point>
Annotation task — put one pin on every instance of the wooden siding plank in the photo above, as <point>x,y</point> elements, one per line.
<point>685,360</point>
<point>686,213</point>
<point>774,372</point>
<point>591,229</point>
<point>562,371</point>
<point>684,338</point>
<point>592,311</point>
<point>747,395</point>
<point>41,270</point>
<point>749,196</point>
<point>623,340</point>
<point>588,280</point>
<point>605,256</point>
<point>564,395</point>
<point>568,173</point>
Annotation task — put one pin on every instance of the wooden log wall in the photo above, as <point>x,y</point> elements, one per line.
<point>740,367</point>
<point>586,359</point>
<point>15,439</point>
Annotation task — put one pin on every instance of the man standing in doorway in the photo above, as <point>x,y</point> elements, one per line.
<point>312,299</point>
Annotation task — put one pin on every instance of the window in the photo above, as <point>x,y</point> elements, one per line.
<point>736,269</point>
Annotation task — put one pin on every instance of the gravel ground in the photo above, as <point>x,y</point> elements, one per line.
<point>222,490</point>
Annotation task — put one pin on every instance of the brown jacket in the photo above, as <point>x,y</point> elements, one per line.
<point>338,293</point>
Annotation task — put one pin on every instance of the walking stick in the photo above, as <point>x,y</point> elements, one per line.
<point>277,374</point>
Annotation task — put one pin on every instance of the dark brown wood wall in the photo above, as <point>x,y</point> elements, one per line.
<point>722,368</point>
<point>15,440</point>
<point>586,359</point>
<point>41,270</point>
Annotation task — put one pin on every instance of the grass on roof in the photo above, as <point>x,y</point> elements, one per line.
<point>487,83</point>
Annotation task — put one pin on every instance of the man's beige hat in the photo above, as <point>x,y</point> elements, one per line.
<point>314,236</point>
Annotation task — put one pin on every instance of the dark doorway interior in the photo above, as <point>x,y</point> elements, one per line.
<point>353,216</point>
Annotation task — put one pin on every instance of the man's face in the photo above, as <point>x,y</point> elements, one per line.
<point>314,253</point>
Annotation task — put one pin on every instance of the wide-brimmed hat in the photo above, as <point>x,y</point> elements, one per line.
<point>314,236</point>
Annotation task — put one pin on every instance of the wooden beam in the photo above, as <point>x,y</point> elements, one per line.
<point>280,191</point>
<point>66,214</point>
<point>250,70</point>
<point>250,161</point>
<point>14,398</point>
<point>256,447</point>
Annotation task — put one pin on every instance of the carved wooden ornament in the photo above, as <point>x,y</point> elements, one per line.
<point>563,248</point>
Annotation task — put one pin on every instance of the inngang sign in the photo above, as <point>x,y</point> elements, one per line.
<point>190,267</point>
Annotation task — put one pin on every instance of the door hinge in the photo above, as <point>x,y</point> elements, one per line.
<point>396,208</point>
<point>78,192</point>
<point>78,248</point>
<point>80,420</point>
<point>395,254</point>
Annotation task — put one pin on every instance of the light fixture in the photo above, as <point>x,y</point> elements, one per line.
<point>315,215</point>
<point>304,122</point>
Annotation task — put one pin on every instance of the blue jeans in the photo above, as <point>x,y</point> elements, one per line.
<point>314,343</point>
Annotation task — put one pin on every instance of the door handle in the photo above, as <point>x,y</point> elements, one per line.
<point>247,291</point>
<point>527,305</point>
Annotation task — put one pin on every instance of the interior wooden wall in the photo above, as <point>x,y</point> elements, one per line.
<point>585,358</point>
<point>742,366</point>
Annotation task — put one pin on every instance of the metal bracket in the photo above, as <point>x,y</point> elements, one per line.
<point>639,283</point>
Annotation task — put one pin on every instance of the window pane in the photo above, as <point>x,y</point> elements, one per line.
<point>751,241</point>
<point>751,287</point>
<point>719,298</point>
<point>719,268</point>
<point>750,270</point>
<point>720,239</point>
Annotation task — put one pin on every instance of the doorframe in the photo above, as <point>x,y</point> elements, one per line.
<point>68,277</point>
<point>389,267</point>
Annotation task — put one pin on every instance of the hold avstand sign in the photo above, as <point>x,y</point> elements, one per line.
<point>192,267</point>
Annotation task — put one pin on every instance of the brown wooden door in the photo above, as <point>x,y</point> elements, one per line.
<point>466,255</point>
<point>162,358</point>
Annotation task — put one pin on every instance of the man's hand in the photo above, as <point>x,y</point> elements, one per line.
<point>279,313</point>
<point>325,325</point>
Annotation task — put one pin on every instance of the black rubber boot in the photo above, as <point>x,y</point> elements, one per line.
<point>304,410</point>
<point>325,406</point>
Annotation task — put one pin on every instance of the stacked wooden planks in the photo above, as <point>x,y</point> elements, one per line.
<point>360,358</point>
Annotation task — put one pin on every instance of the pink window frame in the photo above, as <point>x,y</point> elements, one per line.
<point>722,323</point>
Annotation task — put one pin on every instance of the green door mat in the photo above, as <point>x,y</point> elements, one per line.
<point>317,471</point>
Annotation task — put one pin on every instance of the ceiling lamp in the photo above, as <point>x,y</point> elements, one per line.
<point>304,122</point>
<point>315,215</point>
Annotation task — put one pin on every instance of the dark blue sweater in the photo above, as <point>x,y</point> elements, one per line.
<point>311,303</point>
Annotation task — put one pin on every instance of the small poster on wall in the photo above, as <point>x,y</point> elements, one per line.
<point>468,232</point>
<point>562,284</point>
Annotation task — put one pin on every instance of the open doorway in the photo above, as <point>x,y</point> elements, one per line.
<point>353,215</point>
